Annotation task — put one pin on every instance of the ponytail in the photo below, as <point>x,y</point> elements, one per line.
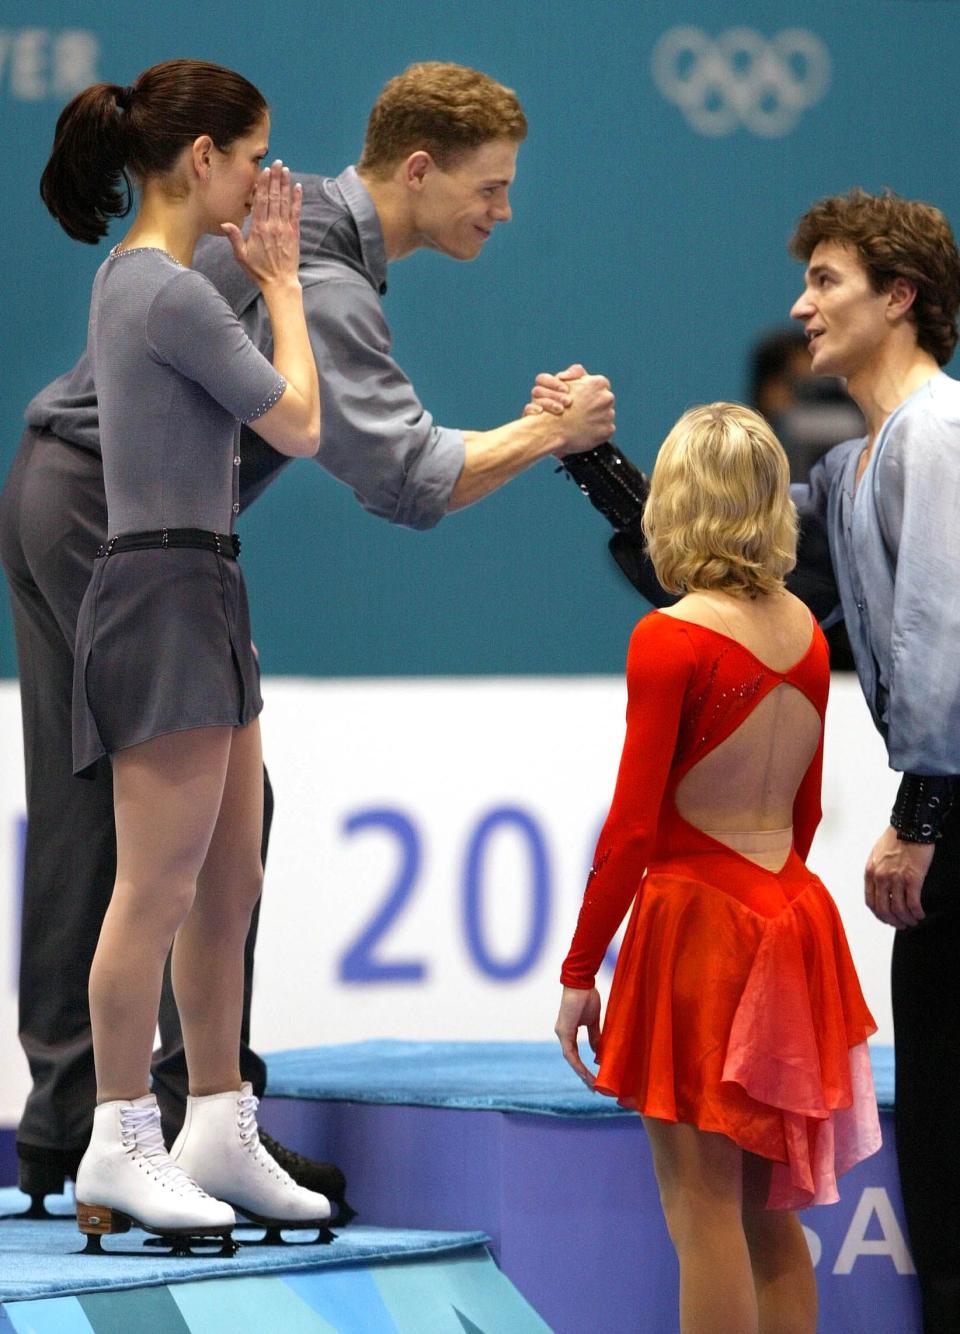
<point>85,182</point>
<point>109,134</point>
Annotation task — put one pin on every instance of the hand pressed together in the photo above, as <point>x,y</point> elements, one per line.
<point>551,393</point>
<point>270,252</point>
<point>584,402</point>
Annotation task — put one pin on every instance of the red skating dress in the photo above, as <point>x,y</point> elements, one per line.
<point>735,1006</point>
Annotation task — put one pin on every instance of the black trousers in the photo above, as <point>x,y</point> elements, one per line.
<point>52,519</point>
<point>926,1018</point>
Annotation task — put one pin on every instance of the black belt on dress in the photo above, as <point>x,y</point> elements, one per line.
<point>224,544</point>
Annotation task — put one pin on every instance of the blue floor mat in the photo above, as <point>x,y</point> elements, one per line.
<point>40,1258</point>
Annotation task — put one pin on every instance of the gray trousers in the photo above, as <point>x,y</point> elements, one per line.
<point>52,519</point>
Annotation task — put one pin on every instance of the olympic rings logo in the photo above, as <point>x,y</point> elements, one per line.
<point>741,78</point>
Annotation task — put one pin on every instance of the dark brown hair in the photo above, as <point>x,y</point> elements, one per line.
<point>895,238</point>
<point>108,133</point>
<point>442,108</point>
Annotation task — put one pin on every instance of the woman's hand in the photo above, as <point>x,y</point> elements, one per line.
<point>578,1009</point>
<point>270,253</point>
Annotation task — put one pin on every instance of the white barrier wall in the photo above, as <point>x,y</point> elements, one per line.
<point>429,850</point>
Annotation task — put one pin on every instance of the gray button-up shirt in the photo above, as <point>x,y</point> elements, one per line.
<point>376,436</point>
<point>895,548</point>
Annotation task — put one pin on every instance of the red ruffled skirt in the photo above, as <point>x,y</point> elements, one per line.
<point>735,1007</point>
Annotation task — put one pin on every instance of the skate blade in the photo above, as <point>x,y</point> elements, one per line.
<point>179,1246</point>
<point>273,1229</point>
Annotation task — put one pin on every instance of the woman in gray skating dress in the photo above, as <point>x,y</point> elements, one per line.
<point>166,680</point>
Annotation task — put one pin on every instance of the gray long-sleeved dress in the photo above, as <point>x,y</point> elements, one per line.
<point>163,638</point>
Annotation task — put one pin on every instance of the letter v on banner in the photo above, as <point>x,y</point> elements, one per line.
<point>874,1202</point>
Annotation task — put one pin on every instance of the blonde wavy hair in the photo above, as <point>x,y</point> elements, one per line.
<point>719,514</point>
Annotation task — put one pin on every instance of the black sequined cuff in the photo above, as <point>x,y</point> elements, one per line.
<point>922,806</point>
<point>612,484</point>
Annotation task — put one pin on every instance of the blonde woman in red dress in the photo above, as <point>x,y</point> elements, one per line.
<point>735,1025</point>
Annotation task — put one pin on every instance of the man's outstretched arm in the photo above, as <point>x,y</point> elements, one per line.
<point>494,457</point>
<point>380,440</point>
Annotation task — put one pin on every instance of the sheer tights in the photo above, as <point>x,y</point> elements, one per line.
<point>188,813</point>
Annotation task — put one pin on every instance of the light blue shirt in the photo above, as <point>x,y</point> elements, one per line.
<point>895,549</point>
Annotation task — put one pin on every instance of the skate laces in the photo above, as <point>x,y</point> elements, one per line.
<point>141,1134</point>
<point>247,1104</point>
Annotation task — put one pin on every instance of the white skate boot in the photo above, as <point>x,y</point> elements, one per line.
<point>220,1148</point>
<point>126,1178</point>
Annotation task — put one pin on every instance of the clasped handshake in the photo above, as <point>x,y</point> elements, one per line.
<point>585,399</point>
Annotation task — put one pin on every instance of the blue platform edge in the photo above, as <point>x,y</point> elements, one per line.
<point>529,1077</point>
<point>463,1291</point>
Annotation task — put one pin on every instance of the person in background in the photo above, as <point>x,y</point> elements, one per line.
<point>809,415</point>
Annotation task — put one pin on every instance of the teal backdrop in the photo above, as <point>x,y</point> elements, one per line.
<point>660,181</point>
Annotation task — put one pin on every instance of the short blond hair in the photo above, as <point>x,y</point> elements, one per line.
<point>443,108</point>
<point>719,514</point>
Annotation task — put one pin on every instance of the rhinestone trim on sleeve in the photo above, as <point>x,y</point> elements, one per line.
<point>267,403</point>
